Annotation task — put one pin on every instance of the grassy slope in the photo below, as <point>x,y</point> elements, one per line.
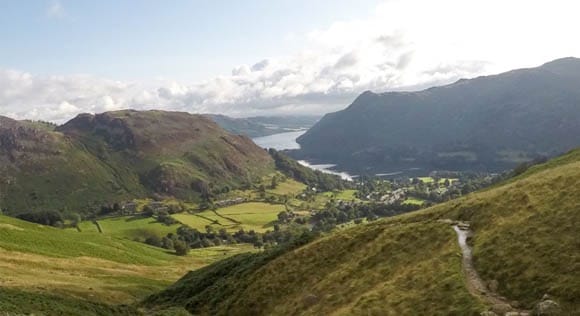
<point>26,237</point>
<point>85,268</point>
<point>525,238</point>
<point>398,269</point>
<point>73,179</point>
<point>290,186</point>
<point>15,302</point>
<point>526,234</point>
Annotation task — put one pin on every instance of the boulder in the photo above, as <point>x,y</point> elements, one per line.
<point>493,285</point>
<point>501,309</point>
<point>547,308</point>
<point>545,297</point>
<point>310,300</point>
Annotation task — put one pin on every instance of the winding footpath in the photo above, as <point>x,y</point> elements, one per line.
<point>475,284</point>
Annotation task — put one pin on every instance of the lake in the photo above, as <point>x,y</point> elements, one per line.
<point>287,140</point>
<point>280,141</point>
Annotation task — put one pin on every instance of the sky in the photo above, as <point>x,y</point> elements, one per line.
<point>59,58</point>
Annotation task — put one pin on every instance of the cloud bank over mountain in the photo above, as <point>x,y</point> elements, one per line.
<point>404,45</point>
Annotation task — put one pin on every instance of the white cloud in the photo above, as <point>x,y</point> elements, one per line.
<point>403,45</point>
<point>55,10</point>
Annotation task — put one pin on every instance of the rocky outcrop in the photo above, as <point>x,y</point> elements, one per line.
<point>547,307</point>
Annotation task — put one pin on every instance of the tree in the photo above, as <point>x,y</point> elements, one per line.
<point>166,243</point>
<point>49,218</point>
<point>204,205</point>
<point>203,188</point>
<point>153,241</point>
<point>274,183</point>
<point>75,219</point>
<point>181,248</point>
<point>148,211</point>
<point>164,218</point>
<point>283,217</point>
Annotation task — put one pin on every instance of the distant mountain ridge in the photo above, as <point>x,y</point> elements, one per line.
<point>259,126</point>
<point>491,122</point>
<point>113,156</point>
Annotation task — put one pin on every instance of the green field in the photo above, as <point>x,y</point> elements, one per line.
<point>135,227</point>
<point>197,221</point>
<point>319,202</point>
<point>86,227</point>
<point>288,187</point>
<point>344,195</point>
<point>130,227</point>
<point>92,266</point>
<point>414,201</point>
<point>255,216</point>
<point>441,180</point>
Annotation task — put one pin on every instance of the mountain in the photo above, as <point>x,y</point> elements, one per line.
<point>489,123</point>
<point>109,157</point>
<point>259,126</point>
<point>524,244</point>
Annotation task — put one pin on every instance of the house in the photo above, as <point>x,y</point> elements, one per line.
<point>158,206</point>
<point>229,202</point>
<point>129,208</point>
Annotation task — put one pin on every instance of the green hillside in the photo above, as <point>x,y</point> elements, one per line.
<point>44,270</point>
<point>16,302</point>
<point>525,242</point>
<point>117,156</point>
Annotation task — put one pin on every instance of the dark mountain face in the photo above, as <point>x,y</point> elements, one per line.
<point>95,159</point>
<point>491,122</point>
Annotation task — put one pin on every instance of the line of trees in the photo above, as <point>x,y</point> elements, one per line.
<point>186,238</point>
<point>334,215</point>
<point>51,218</point>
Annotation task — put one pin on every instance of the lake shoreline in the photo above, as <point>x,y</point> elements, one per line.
<point>286,142</point>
